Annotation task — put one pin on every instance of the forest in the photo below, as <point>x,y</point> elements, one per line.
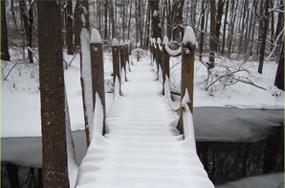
<point>47,51</point>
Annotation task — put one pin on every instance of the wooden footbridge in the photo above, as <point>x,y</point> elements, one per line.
<point>141,144</point>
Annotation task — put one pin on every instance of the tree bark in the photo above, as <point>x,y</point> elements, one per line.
<point>219,23</point>
<point>225,24</point>
<point>69,27</point>
<point>55,165</point>
<point>212,35</point>
<point>177,11</point>
<point>106,4</point>
<point>201,42</point>
<point>27,17</point>
<point>264,36</point>
<point>4,37</point>
<point>279,78</point>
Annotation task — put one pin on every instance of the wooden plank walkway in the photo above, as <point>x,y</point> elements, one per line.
<point>142,147</point>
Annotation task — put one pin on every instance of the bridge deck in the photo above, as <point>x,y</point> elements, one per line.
<point>142,148</point>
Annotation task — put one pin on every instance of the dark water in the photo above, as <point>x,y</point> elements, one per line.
<point>255,148</point>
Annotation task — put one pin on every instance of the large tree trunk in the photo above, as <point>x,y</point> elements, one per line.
<point>4,37</point>
<point>263,35</point>
<point>279,79</point>
<point>69,27</point>
<point>212,35</point>
<point>55,167</point>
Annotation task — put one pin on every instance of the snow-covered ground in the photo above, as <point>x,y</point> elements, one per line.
<point>20,97</point>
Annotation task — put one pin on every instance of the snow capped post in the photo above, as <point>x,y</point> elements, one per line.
<point>97,69</point>
<point>165,61</point>
<point>187,72</point>
<point>187,69</point>
<point>122,58</point>
<point>116,62</point>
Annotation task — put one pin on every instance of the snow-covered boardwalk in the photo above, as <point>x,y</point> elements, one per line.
<point>142,147</point>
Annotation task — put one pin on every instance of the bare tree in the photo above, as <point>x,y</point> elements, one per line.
<point>27,13</point>
<point>55,167</point>
<point>212,35</point>
<point>202,32</point>
<point>263,30</point>
<point>220,12</point>
<point>4,37</point>
<point>279,79</point>
<point>177,10</point>
<point>69,27</point>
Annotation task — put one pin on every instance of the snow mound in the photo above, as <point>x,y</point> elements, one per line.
<point>95,36</point>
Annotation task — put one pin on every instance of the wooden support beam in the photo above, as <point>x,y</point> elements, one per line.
<point>116,62</point>
<point>97,70</point>
<point>123,58</point>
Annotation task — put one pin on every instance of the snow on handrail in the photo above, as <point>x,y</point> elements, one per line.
<point>96,129</point>
<point>168,93</point>
<point>171,52</point>
<point>116,88</point>
<point>188,125</point>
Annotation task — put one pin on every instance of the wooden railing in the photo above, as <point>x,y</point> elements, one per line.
<point>161,55</point>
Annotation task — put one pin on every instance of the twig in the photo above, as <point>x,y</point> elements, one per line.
<point>12,69</point>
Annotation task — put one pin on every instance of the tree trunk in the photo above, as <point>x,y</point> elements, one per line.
<point>13,14</point>
<point>112,20</point>
<point>219,23</point>
<point>4,37</point>
<point>279,79</point>
<point>177,11</point>
<point>280,24</point>
<point>224,30</point>
<point>212,35</point>
<point>69,27</point>
<point>106,20</point>
<point>130,17</point>
<point>264,36</point>
<point>201,42</point>
<point>27,17</point>
<point>55,167</point>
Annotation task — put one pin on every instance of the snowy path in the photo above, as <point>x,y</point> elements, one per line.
<point>141,148</point>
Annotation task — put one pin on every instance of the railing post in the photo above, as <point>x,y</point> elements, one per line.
<point>187,68</point>
<point>127,55</point>
<point>97,69</point>
<point>165,62</point>
<point>187,71</point>
<point>159,54</point>
<point>122,58</point>
<point>116,62</point>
